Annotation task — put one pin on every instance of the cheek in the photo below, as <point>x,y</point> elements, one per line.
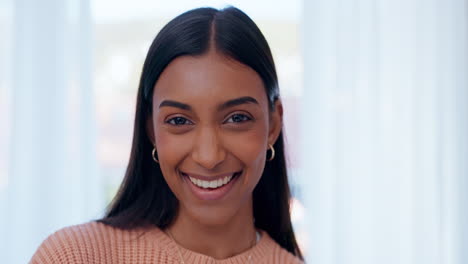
<point>171,148</point>
<point>165,145</point>
<point>249,148</point>
<point>171,151</point>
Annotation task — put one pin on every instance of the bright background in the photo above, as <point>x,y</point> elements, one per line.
<point>376,119</point>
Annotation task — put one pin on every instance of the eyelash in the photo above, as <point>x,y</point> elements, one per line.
<point>172,121</point>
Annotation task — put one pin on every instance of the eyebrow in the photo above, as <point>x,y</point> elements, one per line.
<point>176,104</point>
<point>225,105</point>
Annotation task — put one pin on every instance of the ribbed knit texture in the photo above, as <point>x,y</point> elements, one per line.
<point>99,243</point>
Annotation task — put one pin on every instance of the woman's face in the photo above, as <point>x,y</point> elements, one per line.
<point>212,126</point>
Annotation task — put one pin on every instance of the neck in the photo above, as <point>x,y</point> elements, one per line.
<point>218,241</point>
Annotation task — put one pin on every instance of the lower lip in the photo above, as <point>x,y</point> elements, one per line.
<point>211,194</point>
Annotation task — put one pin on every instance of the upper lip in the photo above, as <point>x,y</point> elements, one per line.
<point>209,178</point>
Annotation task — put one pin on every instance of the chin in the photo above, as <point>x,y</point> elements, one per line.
<point>215,216</point>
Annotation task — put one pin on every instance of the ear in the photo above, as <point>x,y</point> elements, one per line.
<point>276,122</point>
<point>150,129</point>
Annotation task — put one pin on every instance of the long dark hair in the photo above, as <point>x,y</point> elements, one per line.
<point>144,198</point>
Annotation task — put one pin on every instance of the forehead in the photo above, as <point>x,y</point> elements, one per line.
<point>208,80</point>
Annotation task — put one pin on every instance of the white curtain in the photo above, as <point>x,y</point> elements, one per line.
<point>385,131</point>
<point>52,178</point>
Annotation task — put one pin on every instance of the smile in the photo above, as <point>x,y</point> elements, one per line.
<point>211,187</point>
<point>211,184</point>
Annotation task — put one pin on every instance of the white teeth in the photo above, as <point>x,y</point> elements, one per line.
<point>205,184</point>
<point>211,184</point>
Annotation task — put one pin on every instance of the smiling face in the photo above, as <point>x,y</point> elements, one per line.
<point>212,126</point>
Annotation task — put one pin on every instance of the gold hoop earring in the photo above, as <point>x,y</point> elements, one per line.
<point>272,152</point>
<point>152,154</point>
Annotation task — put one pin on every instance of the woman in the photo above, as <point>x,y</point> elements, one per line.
<point>206,180</point>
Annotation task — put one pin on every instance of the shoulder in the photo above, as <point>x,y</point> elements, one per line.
<point>71,244</point>
<point>279,254</point>
<point>93,242</point>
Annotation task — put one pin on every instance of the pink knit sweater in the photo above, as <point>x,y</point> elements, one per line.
<point>99,243</point>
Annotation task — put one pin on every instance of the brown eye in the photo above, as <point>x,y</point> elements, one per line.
<point>179,121</point>
<point>238,118</point>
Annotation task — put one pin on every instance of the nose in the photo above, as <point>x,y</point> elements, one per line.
<point>208,149</point>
